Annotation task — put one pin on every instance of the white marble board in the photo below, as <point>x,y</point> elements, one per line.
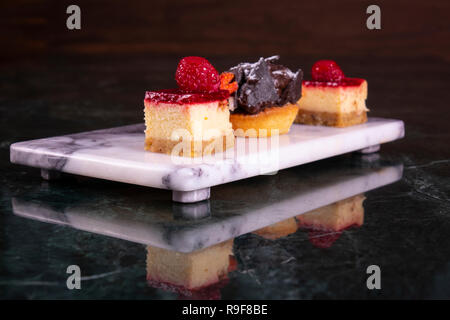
<point>117,154</point>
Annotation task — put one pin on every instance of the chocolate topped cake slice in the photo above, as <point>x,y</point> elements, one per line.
<point>265,102</point>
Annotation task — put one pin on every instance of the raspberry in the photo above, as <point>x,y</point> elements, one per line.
<point>196,74</point>
<point>326,71</point>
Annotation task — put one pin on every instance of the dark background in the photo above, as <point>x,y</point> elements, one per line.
<point>324,28</point>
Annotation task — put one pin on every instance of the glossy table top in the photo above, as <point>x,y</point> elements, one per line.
<point>47,226</point>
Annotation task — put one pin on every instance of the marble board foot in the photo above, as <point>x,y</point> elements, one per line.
<point>191,211</point>
<point>371,149</point>
<point>50,174</point>
<point>191,196</point>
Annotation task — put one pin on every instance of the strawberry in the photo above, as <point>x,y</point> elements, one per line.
<point>196,74</point>
<point>326,71</point>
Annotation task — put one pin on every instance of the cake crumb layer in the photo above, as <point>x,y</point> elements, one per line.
<point>190,148</point>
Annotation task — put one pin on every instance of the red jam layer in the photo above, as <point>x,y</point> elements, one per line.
<point>206,292</point>
<point>324,238</point>
<point>346,82</point>
<point>177,96</point>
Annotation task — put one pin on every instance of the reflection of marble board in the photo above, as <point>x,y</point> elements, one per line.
<point>117,154</point>
<point>140,217</point>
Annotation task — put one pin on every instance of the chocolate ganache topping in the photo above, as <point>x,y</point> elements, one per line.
<point>265,84</point>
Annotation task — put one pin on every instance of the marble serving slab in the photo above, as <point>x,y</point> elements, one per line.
<point>238,208</point>
<point>117,154</point>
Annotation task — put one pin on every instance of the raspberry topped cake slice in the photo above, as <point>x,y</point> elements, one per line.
<point>331,99</point>
<point>192,120</point>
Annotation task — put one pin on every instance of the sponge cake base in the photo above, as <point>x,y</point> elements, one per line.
<point>189,148</point>
<point>270,121</point>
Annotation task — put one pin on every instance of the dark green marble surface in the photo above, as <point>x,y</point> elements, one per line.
<point>406,223</point>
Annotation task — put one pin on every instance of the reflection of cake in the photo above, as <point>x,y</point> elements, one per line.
<point>331,99</point>
<point>278,230</point>
<point>265,101</point>
<point>188,271</point>
<point>187,124</point>
<point>336,216</point>
<point>325,225</point>
<point>192,120</point>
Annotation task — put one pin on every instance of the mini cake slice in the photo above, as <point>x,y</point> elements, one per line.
<point>192,271</point>
<point>187,124</point>
<point>331,99</point>
<point>193,120</point>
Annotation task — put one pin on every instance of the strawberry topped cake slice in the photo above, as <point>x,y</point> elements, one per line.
<point>331,99</point>
<point>192,120</point>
